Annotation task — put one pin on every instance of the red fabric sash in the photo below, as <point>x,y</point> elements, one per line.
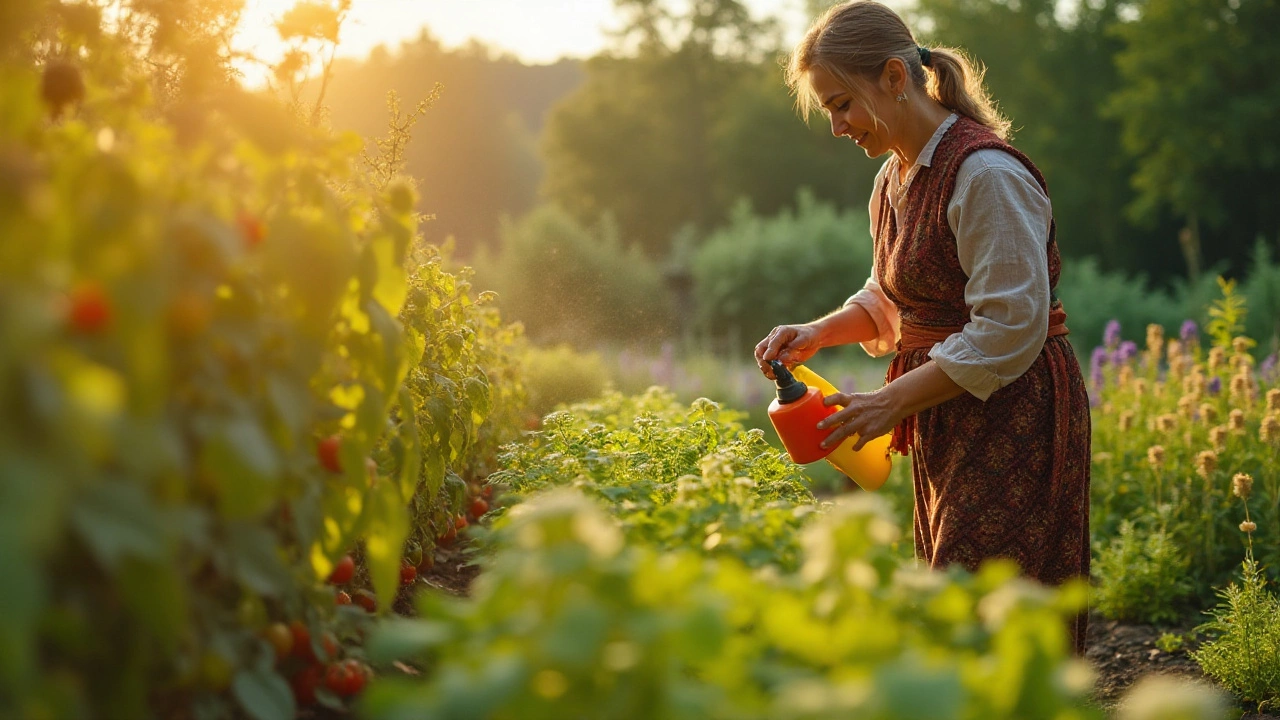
<point>923,337</point>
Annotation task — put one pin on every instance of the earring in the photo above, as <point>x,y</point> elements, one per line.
<point>902,97</point>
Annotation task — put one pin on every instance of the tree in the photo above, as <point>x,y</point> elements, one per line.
<point>1198,108</point>
<point>637,138</point>
<point>1051,72</point>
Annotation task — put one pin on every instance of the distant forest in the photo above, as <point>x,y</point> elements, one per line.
<point>1153,122</point>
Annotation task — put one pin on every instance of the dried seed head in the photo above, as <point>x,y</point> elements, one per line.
<point>1174,349</point>
<point>1126,376</point>
<point>1248,526</point>
<point>1206,463</point>
<point>1166,423</point>
<point>1217,356</point>
<point>1155,339</point>
<point>1155,456</point>
<point>1242,485</point>
<point>1208,413</point>
<point>1140,387</point>
<point>1240,389</point>
<point>1273,400</point>
<point>1218,438</point>
<point>1240,345</point>
<point>1186,406</point>
<point>1269,430</point>
<point>1236,420</point>
<point>1126,421</point>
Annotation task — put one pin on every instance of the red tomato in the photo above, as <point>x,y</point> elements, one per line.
<point>447,538</point>
<point>486,492</point>
<point>357,675</point>
<point>251,228</point>
<point>90,311</point>
<point>337,677</point>
<point>460,522</point>
<point>281,638</point>
<point>327,452</point>
<point>366,600</point>
<point>478,507</point>
<point>305,682</point>
<point>408,574</point>
<point>342,598</point>
<point>343,571</point>
<point>301,640</point>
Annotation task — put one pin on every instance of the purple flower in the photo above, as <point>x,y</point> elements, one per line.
<point>1215,385</point>
<point>1190,332</point>
<point>1128,349</point>
<point>1096,363</point>
<point>1267,370</point>
<point>1111,335</point>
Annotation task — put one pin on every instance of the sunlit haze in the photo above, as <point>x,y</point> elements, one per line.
<point>536,31</point>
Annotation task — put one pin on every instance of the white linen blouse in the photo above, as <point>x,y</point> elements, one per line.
<point>1000,218</point>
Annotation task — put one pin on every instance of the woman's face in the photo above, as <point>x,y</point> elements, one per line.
<point>848,117</point>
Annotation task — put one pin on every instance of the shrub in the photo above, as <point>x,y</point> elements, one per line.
<point>1243,652</point>
<point>757,272</point>
<point>572,284</point>
<point>560,375</point>
<point>1141,576</point>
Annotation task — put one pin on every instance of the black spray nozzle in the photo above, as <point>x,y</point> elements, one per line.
<point>789,388</point>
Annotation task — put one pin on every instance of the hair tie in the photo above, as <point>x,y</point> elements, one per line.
<point>924,56</point>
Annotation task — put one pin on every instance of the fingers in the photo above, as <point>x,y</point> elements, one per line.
<point>771,348</point>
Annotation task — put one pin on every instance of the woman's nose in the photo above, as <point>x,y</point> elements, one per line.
<point>838,126</point>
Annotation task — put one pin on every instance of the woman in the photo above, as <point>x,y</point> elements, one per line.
<point>985,393</point>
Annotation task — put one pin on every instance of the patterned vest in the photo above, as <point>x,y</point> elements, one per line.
<point>917,264</point>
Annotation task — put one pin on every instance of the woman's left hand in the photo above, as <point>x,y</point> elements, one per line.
<point>868,415</point>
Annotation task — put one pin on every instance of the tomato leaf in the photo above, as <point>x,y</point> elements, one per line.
<point>264,694</point>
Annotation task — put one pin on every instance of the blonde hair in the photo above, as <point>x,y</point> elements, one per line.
<point>854,40</point>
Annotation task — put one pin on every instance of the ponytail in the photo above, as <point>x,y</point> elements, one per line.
<point>956,83</point>
<point>854,40</point>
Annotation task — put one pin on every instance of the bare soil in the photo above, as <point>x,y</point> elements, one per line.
<point>1122,653</point>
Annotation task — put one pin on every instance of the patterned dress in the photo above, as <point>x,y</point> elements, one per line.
<point>1008,477</point>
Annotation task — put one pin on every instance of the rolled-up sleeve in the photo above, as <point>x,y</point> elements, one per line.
<point>871,297</point>
<point>1001,220</point>
<point>883,313</point>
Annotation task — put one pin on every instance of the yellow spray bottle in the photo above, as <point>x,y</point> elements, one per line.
<point>868,467</point>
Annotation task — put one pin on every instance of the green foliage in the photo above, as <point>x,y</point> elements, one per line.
<point>1226,315</point>
<point>559,375</point>
<point>636,140</point>
<point>676,477</point>
<point>1141,576</point>
<point>1051,69</point>
<point>1195,107</point>
<point>193,304</point>
<point>1171,429</point>
<point>569,618</point>
<point>569,283</point>
<point>756,272</point>
<point>467,389</point>
<point>1243,652</point>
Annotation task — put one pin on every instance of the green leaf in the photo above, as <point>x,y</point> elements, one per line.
<point>403,638</point>
<point>387,523</point>
<point>255,560</point>
<point>244,465</point>
<point>117,520</point>
<point>264,694</point>
<point>914,692</point>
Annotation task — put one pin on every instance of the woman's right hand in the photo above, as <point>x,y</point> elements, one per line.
<point>789,344</point>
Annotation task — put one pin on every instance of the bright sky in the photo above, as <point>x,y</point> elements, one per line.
<point>536,31</point>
